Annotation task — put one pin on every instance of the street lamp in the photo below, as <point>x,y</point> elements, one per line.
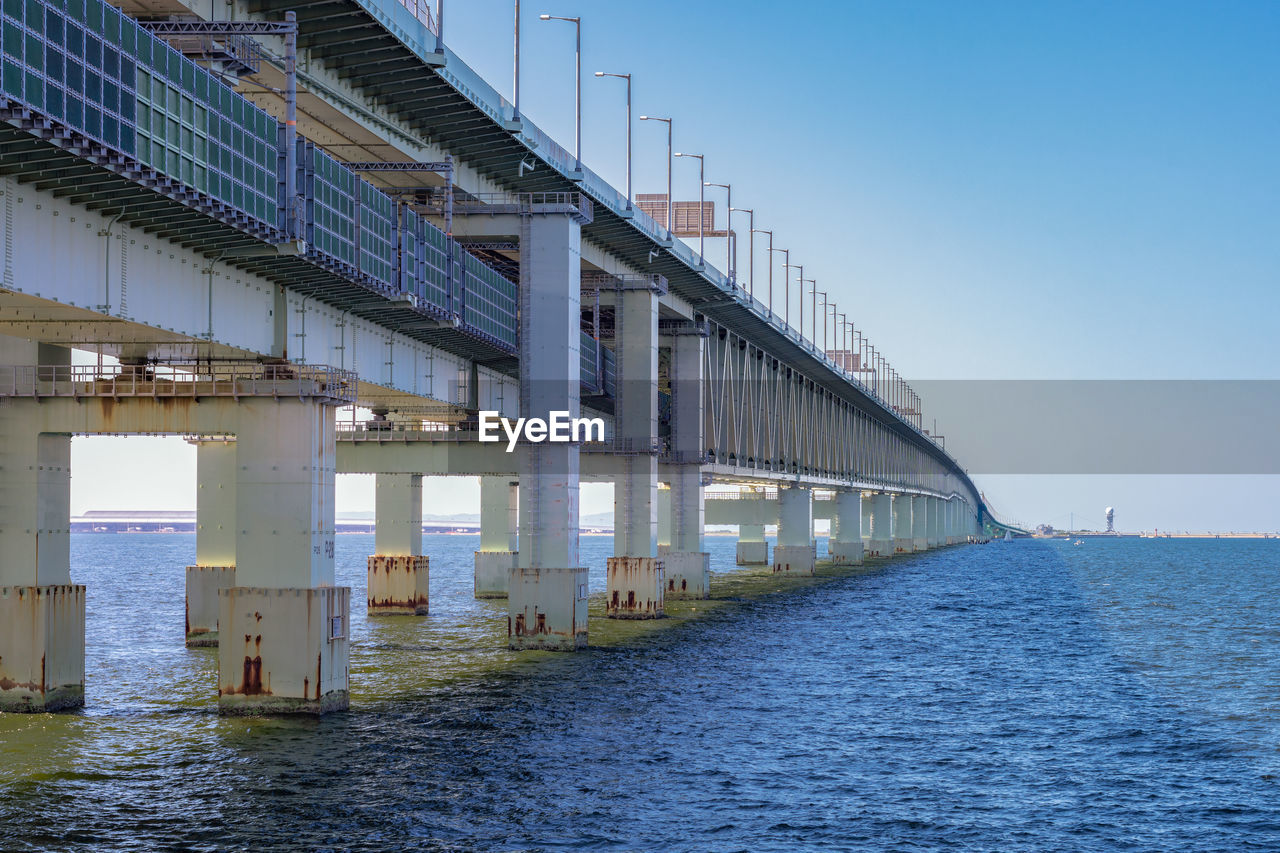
<point>814,322</point>
<point>728,239</point>
<point>670,200</point>
<point>786,263</point>
<point>751,245</point>
<point>577,85</point>
<point>702,193</point>
<point>842,331</point>
<point>626,77</point>
<point>515,107</point>
<point>770,233</point>
<point>788,297</point>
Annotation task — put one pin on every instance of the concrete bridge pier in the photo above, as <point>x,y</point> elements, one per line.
<point>753,549</point>
<point>636,582</point>
<point>499,518</point>
<point>881,542</point>
<point>547,598</point>
<point>938,509</point>
<point>215,567</point>
<point>41,611</point>
<point>283,627</point>
<point>399,573</point>
<point>920,519</point>
<point>865,501</point>
<point>664,519</point>
<point>846,535</point>
<point>687,563</point>
<point>901,514</point>
<point>795,553</point>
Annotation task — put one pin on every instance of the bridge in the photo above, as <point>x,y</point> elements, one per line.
<point>318,207</point>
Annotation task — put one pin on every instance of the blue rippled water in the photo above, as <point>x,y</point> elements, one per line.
<point>1122,695</point>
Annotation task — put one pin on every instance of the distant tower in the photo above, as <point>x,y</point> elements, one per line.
<point>1111,520</point>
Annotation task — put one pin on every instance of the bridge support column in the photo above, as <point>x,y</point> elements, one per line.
<point>937,522</point>
<point>921,518</point>
<point>881,542</point>
<point>664,519</point>
<point>753,549</point>
<point>41,611</point>
<point>795,553</point>
<point>902,543</point>
<point>215,567</point>
<point>284,626</point>
<point>846,539</point>
<point>635,573</point>
<point>399,573</point>
<point>865,501</point>
<point>547,598</point>
<point>498,555</point>
<point>687,563</point>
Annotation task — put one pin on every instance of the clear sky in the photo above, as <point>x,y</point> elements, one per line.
<point>989,190</point>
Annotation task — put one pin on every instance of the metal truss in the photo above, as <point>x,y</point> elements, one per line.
<point>762,415</point>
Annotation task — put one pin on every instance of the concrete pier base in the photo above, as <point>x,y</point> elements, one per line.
<point>399,586</point>
<point>636,588</point>
<point>688,574</point>
<point>203,584</point>
<point>493,572</point>
<point>879,548</point>
<point>846,553</point>
<point>547,609</point>
<point>753,553</point>
<point>41,648</point>
<point>283,651</point>
<point>903,546</point>
<point>920,543</point>
<point>794,559</point>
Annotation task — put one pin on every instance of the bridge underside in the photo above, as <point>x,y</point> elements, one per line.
<point>246,288</point>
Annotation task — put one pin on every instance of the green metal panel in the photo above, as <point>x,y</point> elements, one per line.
<point>490,302</point>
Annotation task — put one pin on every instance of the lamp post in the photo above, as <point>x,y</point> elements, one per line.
<point>751,246</point>
<point>787,291</point>
<point>730,266</point>
<point>670,200</point>
<point>875,370</point>
<point>577,85</point>
<point>515,107</point>
<point>702,188</point>
<point>800,302</point>
<point>626,77</point>
<point>862,362</point>
<point>842,329</point>
<point>440,26</point>
<point>770,233</point>
<point>813,323</point>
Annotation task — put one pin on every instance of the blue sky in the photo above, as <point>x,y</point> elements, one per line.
<point>989,190</point>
